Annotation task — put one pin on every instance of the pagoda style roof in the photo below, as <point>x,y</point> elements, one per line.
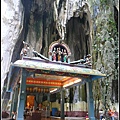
<point>39,64</point>
<point>52,74</point>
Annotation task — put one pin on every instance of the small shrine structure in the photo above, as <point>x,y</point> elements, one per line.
<point>48,75</point>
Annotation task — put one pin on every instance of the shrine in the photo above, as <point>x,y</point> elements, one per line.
<point>39,75</point>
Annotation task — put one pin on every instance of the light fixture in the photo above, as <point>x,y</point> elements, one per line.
<point>77,81</point>
<point>39,90</point>
<point>27,88</point>
<point>53,90</point>
<point>72,83</point>
<point>69,84</point>
<point>31,89</point>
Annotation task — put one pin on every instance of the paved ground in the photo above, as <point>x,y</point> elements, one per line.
<point>56,118</point>
<point>69,118</point>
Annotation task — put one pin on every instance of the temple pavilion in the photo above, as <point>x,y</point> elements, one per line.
<point>40,75</point>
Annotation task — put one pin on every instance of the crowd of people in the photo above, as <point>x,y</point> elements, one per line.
<point>112,114</point>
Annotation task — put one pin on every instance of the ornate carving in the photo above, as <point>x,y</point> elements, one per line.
<point>60,51</point>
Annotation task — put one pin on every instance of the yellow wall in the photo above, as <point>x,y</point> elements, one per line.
<point>79,106</point>
<point>55,105</point>
<point>52,105</point>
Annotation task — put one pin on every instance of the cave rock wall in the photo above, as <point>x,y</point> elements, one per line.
<point>11,26</point>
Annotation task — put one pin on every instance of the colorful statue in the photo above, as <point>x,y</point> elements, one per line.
<point>24,50</point>
<point>65,56</point>
<point>59,54</point>
<point>54,54</point>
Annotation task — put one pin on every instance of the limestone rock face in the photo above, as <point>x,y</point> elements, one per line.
<point>11,24</point>
<point>105,51</point>
<point>87,27</point>
<point>66,20</point>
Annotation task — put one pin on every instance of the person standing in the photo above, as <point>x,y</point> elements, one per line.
<point>111,114</point>
<point>86,117</point>
<point>13,116</point>
<point>101,112</point>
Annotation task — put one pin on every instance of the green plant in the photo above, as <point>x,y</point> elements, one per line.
<point>103,2</point>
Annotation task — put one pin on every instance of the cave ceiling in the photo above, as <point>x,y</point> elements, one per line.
<point>40,29</point>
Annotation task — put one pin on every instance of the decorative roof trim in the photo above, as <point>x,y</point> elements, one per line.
<point>42,65</point>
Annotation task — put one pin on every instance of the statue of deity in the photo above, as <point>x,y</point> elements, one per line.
<point>54,54</point>
<point>88,60</point>
<point>59,54</point>
<point>65,55</point>
<point>24,50</point>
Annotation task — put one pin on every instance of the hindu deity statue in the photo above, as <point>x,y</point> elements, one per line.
<point>65,55</point>
<point>54,54</point>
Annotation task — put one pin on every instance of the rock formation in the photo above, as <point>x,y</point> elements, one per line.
<point>86,26</point>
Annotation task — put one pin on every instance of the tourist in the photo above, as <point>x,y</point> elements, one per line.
<point>115,114</point>
<point>101,112</point>
<point>13,116</point>
<point>111,114</point>
<point>86,117</point>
